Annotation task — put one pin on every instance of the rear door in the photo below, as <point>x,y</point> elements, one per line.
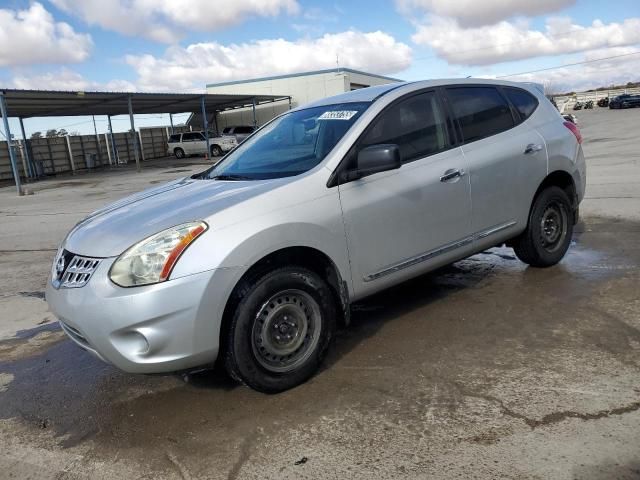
<point>502,153</point>
<point>401,222</point>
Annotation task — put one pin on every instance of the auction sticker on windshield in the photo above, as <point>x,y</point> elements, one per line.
<point>338,115</point>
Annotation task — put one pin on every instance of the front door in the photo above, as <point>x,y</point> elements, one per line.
<point>194,143</point>
<point>402,222</point>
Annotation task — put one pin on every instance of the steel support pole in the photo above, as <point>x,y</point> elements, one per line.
<point>114,149</point>
<point>205,126</point>
<point>135,137</point>
<point>12,152</point>
<point>171,122</point>
<point>253,107</point>
<point>30,166</point>
<point>98,145</point>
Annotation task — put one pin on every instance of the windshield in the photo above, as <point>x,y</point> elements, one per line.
<point>290,145</point>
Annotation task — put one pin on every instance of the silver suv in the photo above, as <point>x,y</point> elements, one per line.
<point>256,260</point>
<point>195,143</point>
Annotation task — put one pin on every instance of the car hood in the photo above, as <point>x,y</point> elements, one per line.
<point>113,229</point>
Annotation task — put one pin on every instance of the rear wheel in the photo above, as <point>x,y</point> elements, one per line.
<point>178,152</point>
<point>548,234</point>
<point>281,329</point>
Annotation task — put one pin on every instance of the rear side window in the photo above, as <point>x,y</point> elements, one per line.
<point>174,138</point>
<point>226,130</point>
<point>244,129</point>
<point>415,124</point>
<point>524,102</point>
<point>481,111</point>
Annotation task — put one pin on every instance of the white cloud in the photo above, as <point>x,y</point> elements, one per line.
<point>32,36</point>
<point>614,71</point>
<point>185,68</point>
<point>474,13</point>
<point>167,20</point>
<point>508,41</point>
<point>66,79</point>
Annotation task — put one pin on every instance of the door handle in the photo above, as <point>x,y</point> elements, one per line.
<point>533,148</point>
<point>451,174</point>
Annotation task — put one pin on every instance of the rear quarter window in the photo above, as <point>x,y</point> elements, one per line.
<point>480,111</point>
<point>174,138</point>
<point>523,101</point>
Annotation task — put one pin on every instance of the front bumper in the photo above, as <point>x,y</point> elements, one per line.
<point>159,328</point>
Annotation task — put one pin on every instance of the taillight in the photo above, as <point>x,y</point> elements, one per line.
<point>574,129</point>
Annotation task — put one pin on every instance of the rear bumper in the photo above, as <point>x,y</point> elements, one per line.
<point>159,328</point>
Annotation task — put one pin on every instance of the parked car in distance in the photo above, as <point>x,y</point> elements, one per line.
<point>578,106</point>
<point>603,102</point>
<point>194,143</point>
<point>569,117</point>
<point>625,101</point>
<point>240,132</point>
<point>255,260</point>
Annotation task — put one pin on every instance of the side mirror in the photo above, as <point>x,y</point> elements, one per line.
<point>375,159</point>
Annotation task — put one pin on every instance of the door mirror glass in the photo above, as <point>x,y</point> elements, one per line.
<point>378,158</point>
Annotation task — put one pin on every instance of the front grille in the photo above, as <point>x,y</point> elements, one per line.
<point>73,271</point>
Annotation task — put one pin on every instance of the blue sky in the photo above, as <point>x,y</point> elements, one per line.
<point>182,45</point>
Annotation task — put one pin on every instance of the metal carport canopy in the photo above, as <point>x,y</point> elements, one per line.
<point>50,103</point>
<point>46,103</point>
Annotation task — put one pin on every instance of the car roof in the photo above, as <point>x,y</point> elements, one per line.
<point>370,94</point>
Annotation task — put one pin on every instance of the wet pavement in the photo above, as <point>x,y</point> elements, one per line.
<point>483,369</point>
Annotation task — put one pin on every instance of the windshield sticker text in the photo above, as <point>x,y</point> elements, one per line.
<point>338,115</point>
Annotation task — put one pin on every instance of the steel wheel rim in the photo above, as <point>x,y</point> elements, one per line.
<point>286,330</point>
<point>553,227</point>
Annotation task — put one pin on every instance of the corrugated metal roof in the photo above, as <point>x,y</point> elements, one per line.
<point>48,103</point>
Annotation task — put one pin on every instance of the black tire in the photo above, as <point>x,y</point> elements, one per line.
<point>178,152</point>
<point>216,151</point>
<point>281,329</point>
<point>549,231</point>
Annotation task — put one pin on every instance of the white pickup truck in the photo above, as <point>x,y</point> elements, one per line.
<point>194,143</point>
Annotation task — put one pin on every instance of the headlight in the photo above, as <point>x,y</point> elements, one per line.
<point>152,259</point>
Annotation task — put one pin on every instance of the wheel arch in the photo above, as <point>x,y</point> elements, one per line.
<point>563,180</point>
<point>303,256</point>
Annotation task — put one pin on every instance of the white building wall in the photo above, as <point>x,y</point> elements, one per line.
<point>302,89</point>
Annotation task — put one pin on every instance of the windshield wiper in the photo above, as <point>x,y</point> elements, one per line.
<point>231,177</point>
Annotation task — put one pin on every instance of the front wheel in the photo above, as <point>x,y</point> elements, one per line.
<point>281,329</point>
<point>548,234</point>
<point>216,151</point>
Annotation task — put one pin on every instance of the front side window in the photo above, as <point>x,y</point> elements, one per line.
<point>191,137</point>
<point>480,111</point>
<point>244,130</point>
<point>415,124</point>
<point>227,130</point>
<point>290,145</point>
<point>524,102</point>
